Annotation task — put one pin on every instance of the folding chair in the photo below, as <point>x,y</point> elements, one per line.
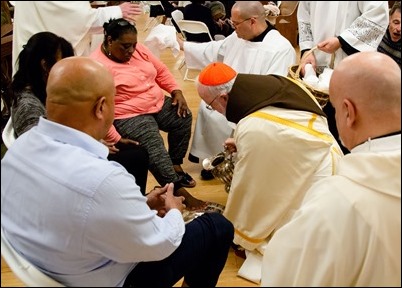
<point>177,15</point>
<point>25,271</point>
<point>192,27</point>
<point>156,12</point>
<point>8,134</point>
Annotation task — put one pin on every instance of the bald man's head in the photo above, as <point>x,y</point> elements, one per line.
<point>80,94</point>
<point>248,9</point>
<point>248,18</point>
<point>77,79</point>
<point>367,85</point>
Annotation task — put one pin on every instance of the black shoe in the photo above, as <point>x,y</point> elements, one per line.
<point>186,180</point>
<point>193,158</point>
<point>206,174</point>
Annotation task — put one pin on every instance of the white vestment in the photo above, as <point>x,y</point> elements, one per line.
<point>362,24</point>
<point>348,229</point>
<point>73,20</point>
<point>281,153</point>
<point>273,55</point>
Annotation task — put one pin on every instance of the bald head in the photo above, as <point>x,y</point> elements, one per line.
<point>80,94</point>
<point>365,90</point>
<point>250,16</point>
<point>248,9</point>
<point>77,79</point>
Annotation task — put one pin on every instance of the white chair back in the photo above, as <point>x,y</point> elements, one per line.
<point>25,271</point>
<point>177,15</point>
<point>194,27</point>
<point>8,134</point>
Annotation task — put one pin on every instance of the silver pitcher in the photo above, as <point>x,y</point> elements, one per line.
<point>221,166</point>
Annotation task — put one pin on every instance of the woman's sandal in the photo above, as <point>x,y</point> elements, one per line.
<point>186,180</point>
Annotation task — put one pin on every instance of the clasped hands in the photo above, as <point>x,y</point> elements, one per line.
<point>162,200</point>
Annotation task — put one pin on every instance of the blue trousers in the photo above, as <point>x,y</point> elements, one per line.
<point>200,257</point>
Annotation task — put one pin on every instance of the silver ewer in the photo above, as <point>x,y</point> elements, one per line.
<point>221,166</point>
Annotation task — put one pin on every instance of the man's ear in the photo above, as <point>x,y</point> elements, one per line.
<point>100,107</point>
<point>350,111</point>
<point>225,97</point>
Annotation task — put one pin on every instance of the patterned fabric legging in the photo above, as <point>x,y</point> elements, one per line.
<point>145,129</point>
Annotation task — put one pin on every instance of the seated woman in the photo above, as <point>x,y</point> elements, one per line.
<point>36,59</point>
<point>142,109</point>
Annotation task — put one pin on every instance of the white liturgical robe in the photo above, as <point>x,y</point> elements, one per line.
<point>348,230</point>
<point>75,21</point>
<point>273,55</point>
<point>362,24</point>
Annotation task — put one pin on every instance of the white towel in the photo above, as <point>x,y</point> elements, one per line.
<point>251,268</point>
<point>162,37</point>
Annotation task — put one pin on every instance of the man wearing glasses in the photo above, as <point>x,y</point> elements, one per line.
<point>255,47</point>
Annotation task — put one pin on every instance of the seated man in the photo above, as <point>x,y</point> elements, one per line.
<point>283,146</point>
<point>82,219</point>
<point>348,229</point>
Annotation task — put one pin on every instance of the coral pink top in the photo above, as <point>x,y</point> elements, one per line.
<point>139,84</point>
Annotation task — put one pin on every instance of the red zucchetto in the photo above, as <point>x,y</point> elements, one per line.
<point>216,73</point>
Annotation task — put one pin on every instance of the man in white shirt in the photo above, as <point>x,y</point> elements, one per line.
<point>255,47</point>
<point>82,219</point>
<point>347,231</point>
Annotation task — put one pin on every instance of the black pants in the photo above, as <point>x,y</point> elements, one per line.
<point>146,130</point>
<point>200,258</point>
<point>136,161</point>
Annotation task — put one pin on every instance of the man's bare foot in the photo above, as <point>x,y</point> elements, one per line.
<point>190,201</point>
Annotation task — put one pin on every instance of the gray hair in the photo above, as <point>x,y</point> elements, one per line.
<point>216,90</point>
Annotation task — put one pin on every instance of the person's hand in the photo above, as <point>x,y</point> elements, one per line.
<point>130,10</point>
<point>310,59</point>
<point>179,101</point>
<point>230,145</point>
<point>220,23</point>
<point>162,200</point>
<point>329,45</point>
<point>110,145</point>
<point>126,141</point>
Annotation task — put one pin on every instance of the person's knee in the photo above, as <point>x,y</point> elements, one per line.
<point>223,227</point>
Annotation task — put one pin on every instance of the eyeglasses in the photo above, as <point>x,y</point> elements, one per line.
<point>209,107</point>
<point>235,24</point>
